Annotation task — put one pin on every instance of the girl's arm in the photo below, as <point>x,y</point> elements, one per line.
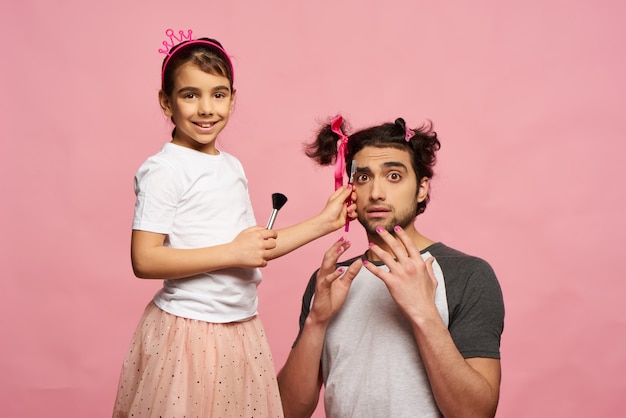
<point>152,260</point>
<point>253,247</point>
<point>332,217</point>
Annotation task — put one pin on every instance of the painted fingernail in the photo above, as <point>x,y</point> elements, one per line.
<point>396,228</point>
<point>371,244</point>
<point>341,239</point>
<point>340,270</point>
<point>349,186</point>
<point>365,262</point>
<point>379,229</point>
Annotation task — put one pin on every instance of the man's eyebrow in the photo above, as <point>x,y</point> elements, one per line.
<point>388,164</point>
<point>395,164</point>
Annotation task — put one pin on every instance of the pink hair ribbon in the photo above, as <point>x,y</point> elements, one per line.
<point>342,145</point>
<point>410,133</point>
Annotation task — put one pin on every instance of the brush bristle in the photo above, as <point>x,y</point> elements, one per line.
<point>278,200</point>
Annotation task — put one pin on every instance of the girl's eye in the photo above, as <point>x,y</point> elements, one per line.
<point>220,95</point>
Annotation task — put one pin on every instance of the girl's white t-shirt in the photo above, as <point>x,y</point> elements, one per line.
<point>198,200</point>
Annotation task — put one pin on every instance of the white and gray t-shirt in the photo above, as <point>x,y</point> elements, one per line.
<point>371,364</point>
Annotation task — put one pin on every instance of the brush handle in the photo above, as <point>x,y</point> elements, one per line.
<point>270,223</point>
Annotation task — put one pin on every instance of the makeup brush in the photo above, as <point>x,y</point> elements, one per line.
<point>278,201</point>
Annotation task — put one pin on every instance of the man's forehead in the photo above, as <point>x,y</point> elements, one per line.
<point>377,157</point>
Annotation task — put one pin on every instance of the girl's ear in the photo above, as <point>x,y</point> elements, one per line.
<point>164,101</point>
<point>233,99</point>
<point>422,190</point>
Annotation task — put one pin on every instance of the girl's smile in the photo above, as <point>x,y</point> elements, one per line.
<point>200,107</point>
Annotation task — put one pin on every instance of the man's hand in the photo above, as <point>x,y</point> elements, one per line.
<point>332,285</point>
<point>410,280</point>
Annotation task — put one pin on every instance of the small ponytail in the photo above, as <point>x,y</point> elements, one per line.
<point>323,149</point>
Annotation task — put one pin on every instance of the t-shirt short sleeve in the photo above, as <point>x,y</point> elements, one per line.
<point>157,191</point>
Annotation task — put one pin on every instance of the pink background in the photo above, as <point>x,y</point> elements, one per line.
<point>528,98</point>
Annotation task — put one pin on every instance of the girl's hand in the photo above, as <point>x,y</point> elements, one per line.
<point>252,246</point>
<point>410,280</point>
<point>332,285</point>
<point>339,208</point>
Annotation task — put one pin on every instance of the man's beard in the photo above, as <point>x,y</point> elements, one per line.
<point>402,220</point>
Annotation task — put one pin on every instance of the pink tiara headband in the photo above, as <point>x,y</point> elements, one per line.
<point>182,37</point>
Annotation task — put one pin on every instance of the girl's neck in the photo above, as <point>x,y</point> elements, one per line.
<point>203,148</point>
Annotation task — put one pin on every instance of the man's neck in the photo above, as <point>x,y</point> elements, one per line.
<point>419,240</point>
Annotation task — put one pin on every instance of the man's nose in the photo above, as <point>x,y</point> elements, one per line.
<point>377,191</point>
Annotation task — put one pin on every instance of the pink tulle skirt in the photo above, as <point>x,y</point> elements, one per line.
<point>179,367</point>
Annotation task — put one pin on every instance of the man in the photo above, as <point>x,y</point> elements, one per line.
<point>412,327</point>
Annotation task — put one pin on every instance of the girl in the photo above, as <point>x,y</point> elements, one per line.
<point>199,349</point>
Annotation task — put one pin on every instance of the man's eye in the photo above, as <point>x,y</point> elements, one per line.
<point>220,95</point>
<point>395,176</point>
<point>361,178</point>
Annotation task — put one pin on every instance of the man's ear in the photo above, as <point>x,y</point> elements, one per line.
<point>164,101</point>
<point>422,189</point>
